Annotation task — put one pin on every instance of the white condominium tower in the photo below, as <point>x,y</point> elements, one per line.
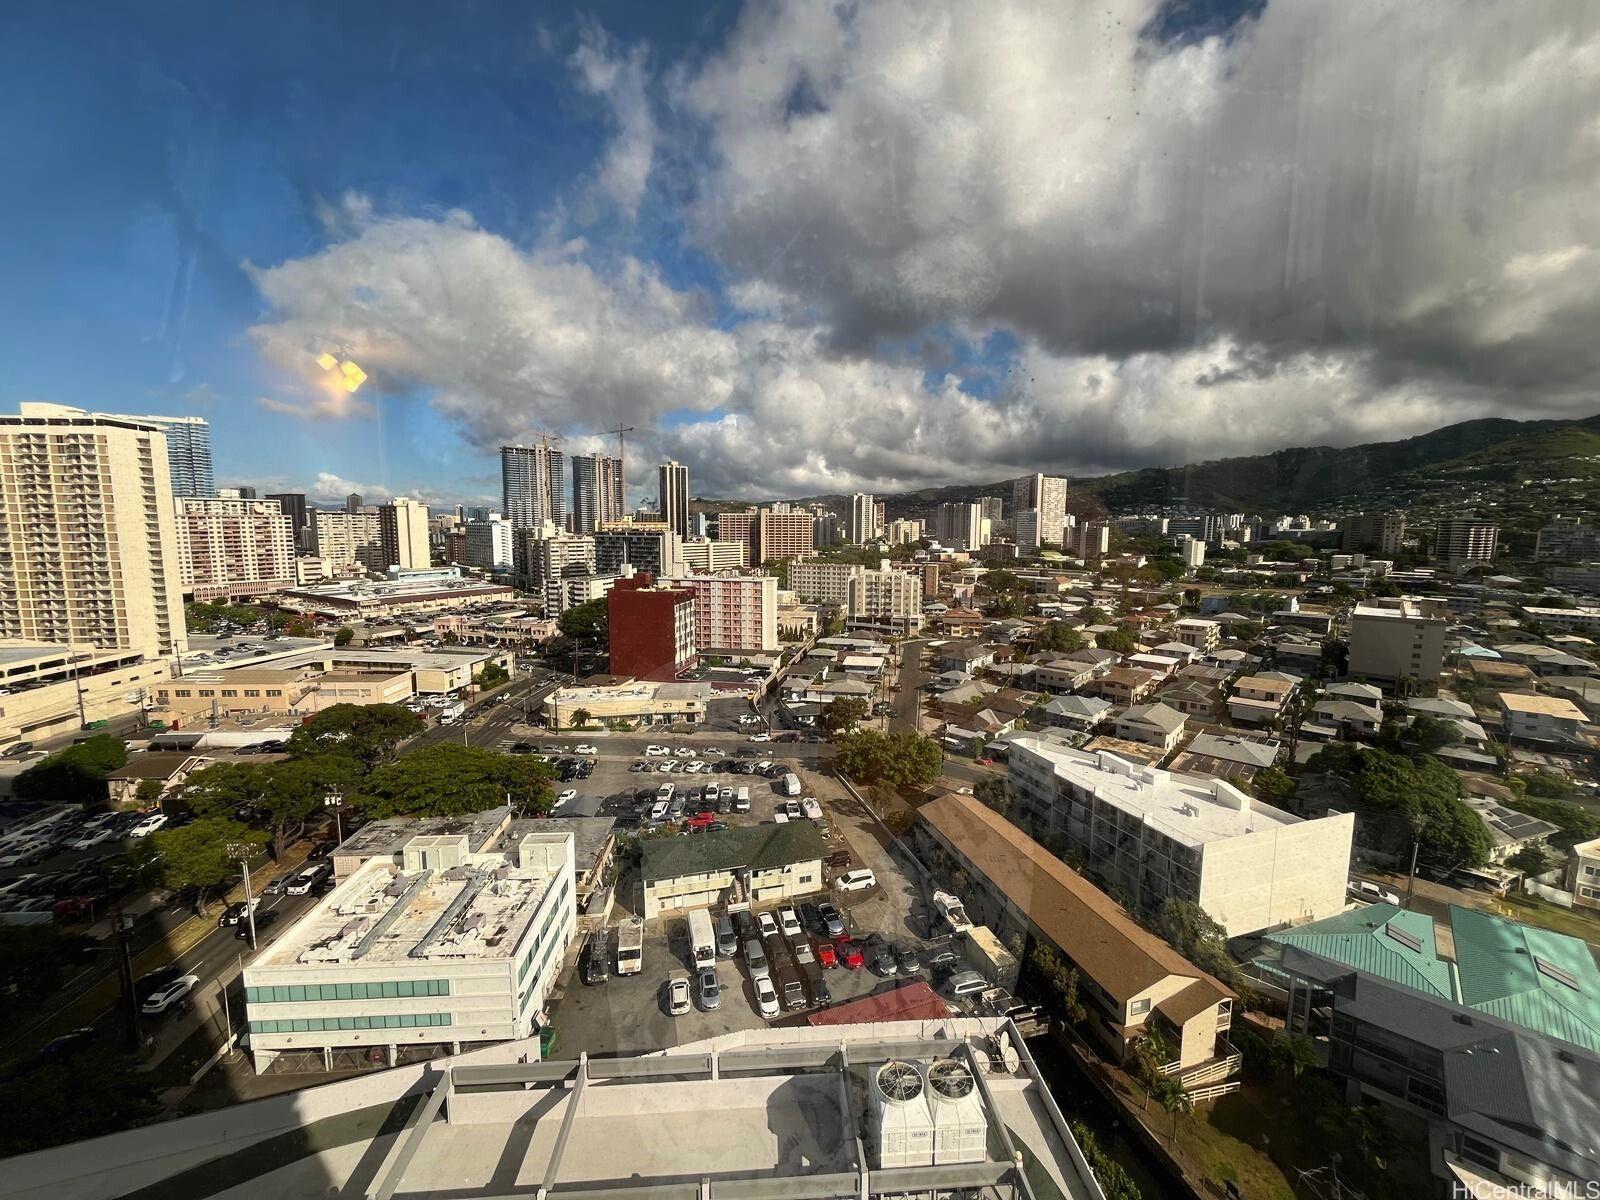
<point>88,541</point>
<point>675,497</point>
<point>533,486</point>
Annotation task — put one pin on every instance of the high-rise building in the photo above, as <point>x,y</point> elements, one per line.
<point>488,543</point>
<point>1025,528</point>
<point>533,485</point>
<point>1398,641</point>
<point>699,525</point>
<point>993,509</point>
<point>596,491</point>
<point>1381,531</point>
<point>1192,551</point>
<point>1460,541</point>
<point>825,532</point>
<point>537,560</point>
<point>1206,527</point>
<point>733,613</point>
<point>188,454</point>
<point>823,583</point>
<point>1567,539</point>
<point>352,503</point>
<point>344,538</point>
<point>294,507</point>
<point>778,535</point>
<point>885,599</point>
<point>861,525</point>
<point>709,557</point>
<point>959,525</point>
<point>736,526</point>
<point>1091,540</point>
<point>674,477</point>
<point>1048,494</point>
<point>651,628</point>
<point>658,551</point>
<point>90,550</point>
<point>403,533</point>
<point>233,548</point>
<point>246,492</point>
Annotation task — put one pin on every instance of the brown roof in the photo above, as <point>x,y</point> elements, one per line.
<point>153,764</point>
<point>1091,928</point>
<point>1195,999</point>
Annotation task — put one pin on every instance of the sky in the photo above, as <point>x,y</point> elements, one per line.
<point>801,247</point>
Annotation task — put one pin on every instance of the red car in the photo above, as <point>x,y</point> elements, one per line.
<point>827,956</point>
<point>849,953</point>
<point>986,762</point>
<point>701,820</point>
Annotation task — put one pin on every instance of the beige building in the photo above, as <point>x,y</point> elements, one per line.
<point>823,583</point>
<point>756,865</point>
<point>1150,834</point>
<point>1542,719</point>
<point>886,599</point>
<point>733,612</point>
<point>297,690</point>
<point>347,537</point>
<point>634,702</point>
<point>233,548</point>
<point>1398,641</point>
<point>707,557</point>
<point>1259,699</point>
<point>1583,873</point>
<point>86,519</point>
<point>167,768</point>
<point>1197,632</point>
<point>47,690</point>
<point>403,534</point>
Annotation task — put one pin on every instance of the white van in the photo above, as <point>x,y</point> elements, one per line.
<point>964,983</point>
<point>741,801</point>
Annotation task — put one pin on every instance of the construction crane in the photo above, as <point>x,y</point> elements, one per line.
<point>622,432</point>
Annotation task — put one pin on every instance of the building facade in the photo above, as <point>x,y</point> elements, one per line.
<point>403,534</point>
<point>533,486</point>
<point>1091,540</point>
<point>1461,541</point>
<point>885,599</point>
<point>651,628</point>
<point>959,526</point>
<point>658,551</point>
<point>674,491</point>
<point>861,523</point>
<point>596,491</point>
<point>487,544</point>
<point>233,548</point>
<point>782,533</point>
<point>1048,495</point>
<point>346,538</point>
<point>188,454</point>
<point>737,613</point>
<point>86,517</point>
<point>1381,531</point>
<point>1150,834</point>
<point>707,557</point>
<point>823,583</point>
<point>1397,642</point>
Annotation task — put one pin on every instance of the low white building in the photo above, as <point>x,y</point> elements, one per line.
<point>1541,718</point>
<point>1150,834</point>
<point>752,865</point>
<point>1203,635</point>
<point>1152,725</point>
<point>433,946</point>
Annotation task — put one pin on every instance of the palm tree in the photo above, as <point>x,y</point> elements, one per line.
<point>1175,1100</point>
<point>580,717</point>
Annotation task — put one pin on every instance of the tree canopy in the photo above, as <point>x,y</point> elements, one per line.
<point>902,760</point>
<point>492,675</point>
<point>194,860</point>
<point>448,779</point>
<point>842,713</point>
<point>343,635</point>
<point>1059,637</point>
<point>75,775</point>
<point>368,733</point>
<point>1196,935</point>
<point>280,798</point>
<point>1397,797</point>
<point>1118,640</point>
<point>1574,824</point>
<point>584,621</point>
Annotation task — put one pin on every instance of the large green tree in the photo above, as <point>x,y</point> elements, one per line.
<point>449,779</point>
<point>492,675</point>
<point>902,760</point>
<point>279,798</point>
<point>842,713</point>
<point>195,860</point>
<point>368,733</point>
<point>1196,935</point>
<point>1059,637</point>
<point>1397,797</point>
<point>76,775</point>
<point>1118,640</point>
<point>584,621</point>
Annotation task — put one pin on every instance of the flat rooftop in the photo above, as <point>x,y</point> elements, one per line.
<point>1189,809</point>
<point>387,836</point>
<point>383,913</point>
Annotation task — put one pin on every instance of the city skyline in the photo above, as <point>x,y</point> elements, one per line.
<point>821,338</point>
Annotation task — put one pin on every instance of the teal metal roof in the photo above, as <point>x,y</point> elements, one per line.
<point>1382,940</point>
<point>1541,980</point>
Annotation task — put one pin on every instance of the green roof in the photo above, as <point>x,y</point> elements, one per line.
<point>1541,980</point>
<point>753,847</point>
<point>1382,940</point>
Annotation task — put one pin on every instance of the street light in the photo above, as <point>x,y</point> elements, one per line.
<point>334,800</point>
<point>241,852</point>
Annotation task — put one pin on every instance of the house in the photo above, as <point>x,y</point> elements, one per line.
<point>1133,979</point>
<point>1192,697</point>
<point>1197,632</point>
<point>1259,699</point>
<point>1152,725</point>
<point>754,864</point>
<point>1127,686</point>
<point>1354,719</point>
<point>1227,756</point>
<point>1541,718</point>
<point>1583,873</point>
<point>1101,660</point>
<point>1184,654</point>
<point>165,768</point>
<point>1078,713</point>
<point>968,656</point>
<point>1059,674</point>
<point>1159,664</point>
<point>1510,830</point>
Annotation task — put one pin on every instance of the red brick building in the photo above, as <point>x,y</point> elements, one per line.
<point>651,629</point>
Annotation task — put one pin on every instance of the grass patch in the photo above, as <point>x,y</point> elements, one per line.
<point>1550,916</point>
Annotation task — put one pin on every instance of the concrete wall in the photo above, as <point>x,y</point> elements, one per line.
<point>1280,876</point>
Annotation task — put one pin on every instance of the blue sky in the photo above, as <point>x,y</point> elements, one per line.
<point>803,247</point>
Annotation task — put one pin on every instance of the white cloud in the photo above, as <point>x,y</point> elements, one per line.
<point>1349,223</point>
<point>620,79</point>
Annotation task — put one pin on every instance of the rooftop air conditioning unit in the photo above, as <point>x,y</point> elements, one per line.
<point>898,1116</point>
<point>960,1130</point>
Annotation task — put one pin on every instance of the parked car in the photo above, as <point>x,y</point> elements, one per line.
<point>766,996</point>
<point>19,750</point>
<point>596,967</point>
<point>710,989</point>
<point>905,958</point>
<point>856,881</point>
<point>678,1002</point>
<point>148,825</point>
<point>849,953</point>
<point>831,921</point>
<point>727,939</point>
<point>586,748</point>
<point>882,956</point>
<point>755,959</point>
<point>163,998</point>
<point>802,951</point>
<point>521,748</point>
<point>789,923</point>
<point>566,794</point>
<point>827,956</point>
<point>769,927</point>
<point>234,913</point>
<point>656,751</point>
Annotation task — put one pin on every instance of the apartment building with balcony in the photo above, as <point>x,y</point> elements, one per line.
<point>234,548</point>
<point>1150,834</point>
<point>86,518</point>
<point>733,613</point>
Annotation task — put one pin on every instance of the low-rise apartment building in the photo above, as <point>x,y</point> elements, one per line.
<point>886,600</point>
<point>1197,632</point>
<point>1129,979</point>
<point>823,582</point>
<point>704,556</point>
<point>1583,873</point>
<point>1127,686</point>
<point>1152,725</point>
<point>1260,699</point>
<point>1153,834</point>
<point>1398,641</point>
<point>754,865</point>
<point>435,946</point>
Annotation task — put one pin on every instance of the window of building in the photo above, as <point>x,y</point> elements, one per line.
<point>1139,1007</point>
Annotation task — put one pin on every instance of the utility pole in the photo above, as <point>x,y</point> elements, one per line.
<point>240,852</point>
<point>1416,844</point>
<point>335,800</point>
<point>125,974</point>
